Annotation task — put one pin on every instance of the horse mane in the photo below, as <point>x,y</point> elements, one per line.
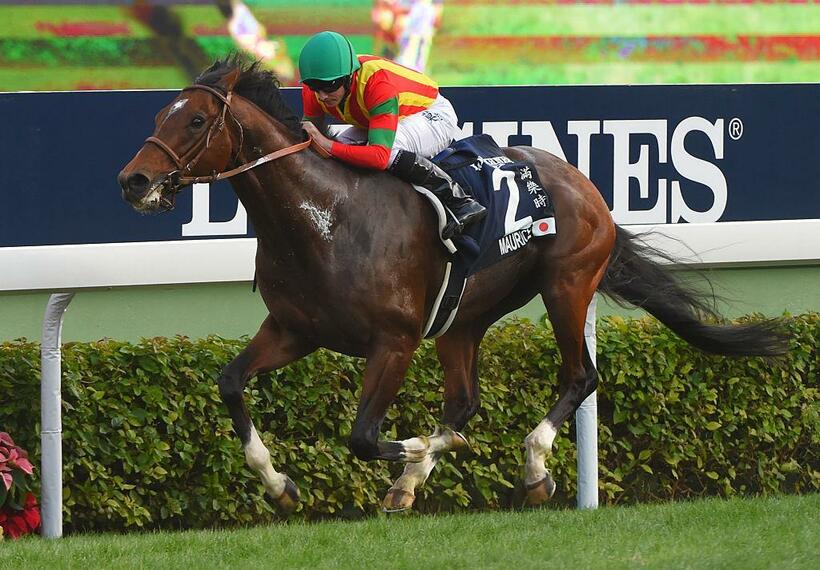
<point>256,84</point>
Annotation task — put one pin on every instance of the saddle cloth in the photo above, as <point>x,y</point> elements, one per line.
<point>518,209</point>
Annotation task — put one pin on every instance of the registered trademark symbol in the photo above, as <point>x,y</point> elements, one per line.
<point>735,129</point>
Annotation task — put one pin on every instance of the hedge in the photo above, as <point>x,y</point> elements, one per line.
<point>147,442</point>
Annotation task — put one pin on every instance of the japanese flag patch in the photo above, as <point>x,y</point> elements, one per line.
<point>543,227</point>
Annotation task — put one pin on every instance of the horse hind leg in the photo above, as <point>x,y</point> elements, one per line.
<point>566,305</point>
<point>270,348</point>
<point>458,354</point>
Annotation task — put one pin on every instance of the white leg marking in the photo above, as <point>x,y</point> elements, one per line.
<point>422,454</point>
<point>415,474</point>
<point>418,448</point>
<point>415,449</point>
<point>539,444</point>
<point>258,458</point>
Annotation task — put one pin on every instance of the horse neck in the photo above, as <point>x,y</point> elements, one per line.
<point>289,200</point>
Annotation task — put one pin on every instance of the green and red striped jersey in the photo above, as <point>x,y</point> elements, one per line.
<point>382,92</point>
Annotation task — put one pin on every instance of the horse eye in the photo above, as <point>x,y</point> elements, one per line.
<point>197,122</point>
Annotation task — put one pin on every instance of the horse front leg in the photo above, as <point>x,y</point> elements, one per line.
<point>270,348</point>
<point>458,354</point>
<point>383,376</point>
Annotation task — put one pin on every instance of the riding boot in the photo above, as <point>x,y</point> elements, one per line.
<point>416,169</point>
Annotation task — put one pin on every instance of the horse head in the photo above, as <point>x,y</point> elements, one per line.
<point>196,135</point>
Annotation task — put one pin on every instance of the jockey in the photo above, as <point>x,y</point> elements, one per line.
<point>399,119</point>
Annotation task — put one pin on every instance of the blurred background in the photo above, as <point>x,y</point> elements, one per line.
<point>148,44</point>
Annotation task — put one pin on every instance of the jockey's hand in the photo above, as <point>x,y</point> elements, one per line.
<point>320,139</point>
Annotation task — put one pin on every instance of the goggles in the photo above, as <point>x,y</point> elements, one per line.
<point>325,86</point>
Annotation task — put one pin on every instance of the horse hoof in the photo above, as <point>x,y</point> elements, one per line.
<point>289,499</point>
<point>397,500</point>
<point>540,492</point>
<point>460,444</point>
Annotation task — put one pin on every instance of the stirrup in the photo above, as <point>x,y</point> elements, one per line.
<point>451,229</point>
<point>475,216</point>
<point>456,225</point>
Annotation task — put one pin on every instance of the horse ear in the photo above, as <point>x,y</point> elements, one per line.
<point>230,79</point>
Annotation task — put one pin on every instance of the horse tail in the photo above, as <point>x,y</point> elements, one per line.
<point>636,276</point>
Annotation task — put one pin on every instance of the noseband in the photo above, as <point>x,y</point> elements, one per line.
<point>175,179</point>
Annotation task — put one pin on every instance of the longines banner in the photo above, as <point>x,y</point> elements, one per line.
<point>701,160</point>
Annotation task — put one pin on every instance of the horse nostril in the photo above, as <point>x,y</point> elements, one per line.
<point>122,180</point>
<point>138,183</point>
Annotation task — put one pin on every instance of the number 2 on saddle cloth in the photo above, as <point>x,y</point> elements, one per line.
<point>518,209</point>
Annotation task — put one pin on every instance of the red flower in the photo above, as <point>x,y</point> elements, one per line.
<point>11,525</point>
<point>24,464</point>
<point>13,456</point>
<point>31,513</point>
<point>31,501</point>
<point>18,523</point>
<point>4,523</point>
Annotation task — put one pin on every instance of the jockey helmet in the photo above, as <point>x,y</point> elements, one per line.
<point>327,56</point>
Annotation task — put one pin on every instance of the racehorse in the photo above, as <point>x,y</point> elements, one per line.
<point>350,260</point>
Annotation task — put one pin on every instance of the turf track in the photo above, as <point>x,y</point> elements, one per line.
<point>746,534</point>
<point>50,47</point>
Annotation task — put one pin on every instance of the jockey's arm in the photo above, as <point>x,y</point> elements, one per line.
<point>381,98</point>
<point>375,154</point>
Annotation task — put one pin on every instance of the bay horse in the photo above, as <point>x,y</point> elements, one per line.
<point>350,260</point>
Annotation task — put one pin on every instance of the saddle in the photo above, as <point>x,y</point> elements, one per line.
<point>518,209</point>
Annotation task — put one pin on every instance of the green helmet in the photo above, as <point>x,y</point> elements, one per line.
<point>327,56</point>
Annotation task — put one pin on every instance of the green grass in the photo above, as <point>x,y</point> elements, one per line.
<point>779,532</point>
<point>21,21</point>
<point>40,79</point>
<point>621,73</point>
<point>631,20</point>
<point>107,62</point>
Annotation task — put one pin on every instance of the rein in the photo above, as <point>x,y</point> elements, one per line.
<point>185,180</point>
<point>178,182</point>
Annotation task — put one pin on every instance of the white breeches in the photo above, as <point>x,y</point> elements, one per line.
<point>425,133</point>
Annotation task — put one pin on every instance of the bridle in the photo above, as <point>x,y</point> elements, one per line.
<point>175,180</point>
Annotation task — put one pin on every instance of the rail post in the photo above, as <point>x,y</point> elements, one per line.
<point>50,415</point>
<point>586,428</point>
